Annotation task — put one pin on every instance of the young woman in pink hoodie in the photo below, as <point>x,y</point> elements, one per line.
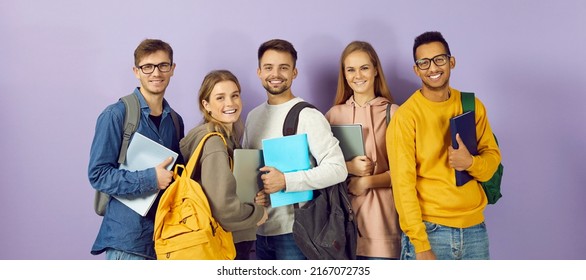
<point>362,98</point>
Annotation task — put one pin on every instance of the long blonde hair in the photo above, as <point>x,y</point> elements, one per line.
<point>344,91</point>
<point>205,91</point>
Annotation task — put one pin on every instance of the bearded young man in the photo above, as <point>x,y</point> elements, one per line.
<point>276,70</point>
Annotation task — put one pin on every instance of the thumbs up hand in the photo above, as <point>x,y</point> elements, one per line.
<point>164,176</point>
<point>459,159</point>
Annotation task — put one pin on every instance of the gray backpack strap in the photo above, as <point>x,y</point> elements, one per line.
<point>388,113</point>
<point>131,120</point>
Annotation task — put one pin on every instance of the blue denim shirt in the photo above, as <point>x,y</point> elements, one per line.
<point>122,228</point>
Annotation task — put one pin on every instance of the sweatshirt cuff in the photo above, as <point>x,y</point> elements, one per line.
<point>292,182</point>
<point>472,165</point>
<point>421,246</point>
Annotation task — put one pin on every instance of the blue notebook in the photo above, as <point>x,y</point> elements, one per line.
<point>465,125</point>
<point>287,154</point>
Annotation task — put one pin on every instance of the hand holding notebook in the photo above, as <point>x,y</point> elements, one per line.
<point>144,153</point>
<point>465,126</point>
<point>287,154</point>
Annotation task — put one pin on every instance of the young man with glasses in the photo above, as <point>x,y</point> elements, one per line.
<point>439,219</point>
<point>124,234</point>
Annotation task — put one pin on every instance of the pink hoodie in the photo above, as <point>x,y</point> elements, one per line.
<point>378,223</point>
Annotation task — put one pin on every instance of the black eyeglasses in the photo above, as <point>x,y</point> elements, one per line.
<point>150,68</point>
<point>439,60</point>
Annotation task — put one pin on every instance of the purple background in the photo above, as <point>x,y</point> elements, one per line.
<point>64,61</point>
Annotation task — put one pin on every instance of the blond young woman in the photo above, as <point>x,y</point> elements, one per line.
<point>221,106</point>
<point>362,97</point>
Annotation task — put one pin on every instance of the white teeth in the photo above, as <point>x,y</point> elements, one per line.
<point>230,111</point>
<point>275,82</point>
<point>435,76</point>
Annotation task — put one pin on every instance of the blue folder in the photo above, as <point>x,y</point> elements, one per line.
<point>287,154</point>
<point>465,125</point>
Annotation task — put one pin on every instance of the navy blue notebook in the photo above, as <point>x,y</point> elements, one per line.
<point>465,125</point>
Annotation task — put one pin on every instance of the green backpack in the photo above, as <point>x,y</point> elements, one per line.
<point>492,187</point>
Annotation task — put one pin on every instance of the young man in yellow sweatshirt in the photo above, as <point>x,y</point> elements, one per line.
<point>439,219</point>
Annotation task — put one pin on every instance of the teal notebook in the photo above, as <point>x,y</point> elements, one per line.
<point>287,154</point>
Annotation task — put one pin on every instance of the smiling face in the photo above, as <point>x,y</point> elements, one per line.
<point>154,83</point>
<point>277,72</point>
<point>360,73</point>
<point>224,102</point>
<point>436,78</point>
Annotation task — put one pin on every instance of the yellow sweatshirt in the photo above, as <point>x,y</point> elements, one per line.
<point>424,185</point>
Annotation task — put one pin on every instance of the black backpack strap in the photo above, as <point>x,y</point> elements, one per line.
<point>292,119</point>
<point>131,120</point>
<point>291,122</point>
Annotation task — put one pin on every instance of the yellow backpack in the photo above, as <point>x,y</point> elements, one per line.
<point>184,226</point>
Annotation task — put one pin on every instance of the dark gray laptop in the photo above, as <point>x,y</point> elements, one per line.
<point>247,162</point>
<point>351,141</point>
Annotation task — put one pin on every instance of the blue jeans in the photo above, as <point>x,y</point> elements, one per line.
<point>278,247</point>
<point>113,254</point>
<point>449,243</point>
